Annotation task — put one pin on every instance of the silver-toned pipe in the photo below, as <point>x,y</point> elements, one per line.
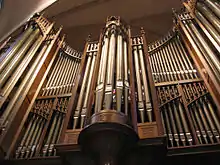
<point>145,84</point>
<point>33,138</point>
<point>172,123</point>
<point>119,73</point>
<point>156,68</point>
<point>200,124</point>
<point>59,79</point>
<point>67,83</point>
<point>53,74</point>
<point>184,122</point>
<point>13,51</point>
<point>178,123</point>
<point>18,151</point>
<point>26,84</point>
<point>170,60</point>
<point>56,80</point>
<point>155,77</point>
<point>110,71</point>
<point>23,151</point>
<point>35,144</point>
<point>212,112</point>
<point>139,86</point>
<point>209,119</point>
<point>161,68</point>
<point>214,6</point>
<point>209,15</point>
<point>208,29</point>
<point>64,77</point>
<point>82,91</point>
<point>75,63</point>
<point>185,57</point>
<point>55,133</point>
<point>180,64</point>
<point>126,81</point>
<point>86,97</point>
<point>201,51</point>
<point>204,121</point>
<point>50,134</point>
<point>208,50</point>
<point>17,58</point>
<point>164,63</point>
<point>169,130</point>
<point>101,77</point>
<point>76,70</point>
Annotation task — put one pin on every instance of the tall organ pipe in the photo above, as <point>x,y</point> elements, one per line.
<point>200,44</point>
<point>101,75</point>
<point>214,5</point>
<point>21,68</point>
<point>14,50</point>
<point>110,71</point>
<point>17,58</point>
<point>145,84</point>
<point>211,33</point>
<point>209,15</point>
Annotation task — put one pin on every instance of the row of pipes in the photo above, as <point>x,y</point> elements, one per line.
<point>23,59</point>
<point>61,80</point>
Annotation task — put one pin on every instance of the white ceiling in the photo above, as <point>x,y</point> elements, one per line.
<point>83,17</point>
<point>16,12</point>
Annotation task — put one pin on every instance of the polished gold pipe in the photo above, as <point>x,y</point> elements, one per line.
<point>14,50</point>
<point>26,83</point>
<point>20,70</point>
<point>4,75</point>
<point>209,15</point>
<point>214,5</point>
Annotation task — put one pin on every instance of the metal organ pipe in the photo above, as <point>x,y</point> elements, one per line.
<point>110,70</point>
<point>209,15</point>
<point>214,6</point>
<point>81,106</point>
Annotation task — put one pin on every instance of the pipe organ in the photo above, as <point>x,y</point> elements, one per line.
<point>121,101</point>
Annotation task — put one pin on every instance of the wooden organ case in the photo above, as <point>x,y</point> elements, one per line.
<point>121,101</point>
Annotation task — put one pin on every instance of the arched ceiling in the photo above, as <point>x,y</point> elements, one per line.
<point>83,17</point>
